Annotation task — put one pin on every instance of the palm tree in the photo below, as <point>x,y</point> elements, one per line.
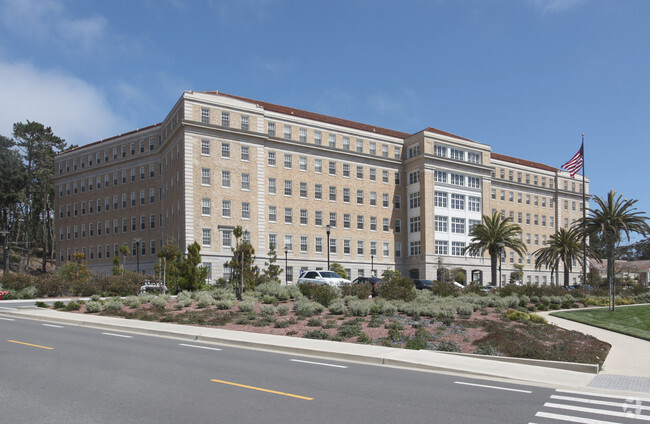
<point>611,217</point>
<point>564,246</point>
<point>493,235</point>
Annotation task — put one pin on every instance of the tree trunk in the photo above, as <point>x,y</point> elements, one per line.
<point>566,275</point>
<point>610,277</point>
<point>493,269</point>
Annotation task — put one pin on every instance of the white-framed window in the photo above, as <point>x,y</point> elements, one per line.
<point>318,244</point>
<point>318,137</point>
<point>303,134</point>
<point>205,115</point>
<point>457,179</point>
<point>346,143</point>
<point>225,208</point>
<point>440,151</point>
<point>245,210</point>
<point>474,204</point>
<point>318,218</point>
<point>332,140</point>
<point>332,168</point>
<point>458,225</point>
<point>272,186</point>
<point>288,215</point>
<point>457,154</point>
<point>245,182</point>
<point>288,160</point>
<point>318,191</point>
<point>385,225</point>
<point>303,190</point>
<point>359,145</point>
<point>414,177</point>
<point>271,129</point>
<point>384,200</point>
<point>206,239</point>
<point>441,223</point>
<point>303,244</point>
<point>205,176</point>
<point>457,248</point>
<point>244,122</point>
<point>333,193</point>
<point>414,200</point>
<point>360,221</point>
<point>440,199</point>
<point>457,201</point>
<point>225,179</point>
<point>303,217</point>
<point>273,214</point>
<point>318,166</point>
<point>471,224</point>
<point>271,158</point>
<point>474,182</point>
<point>288,187</point>
<point>360,172</point>
<point>442,247</point>
<point>473,157</point>
<point>413,151</point>
<point>226,238</point>
<point>346,221</point>
<point>303,163</point>
<point>414,224</point>
<point>440,176</point>
<point>287,132</point>
<point>359,197</point>
<point>225,150</point>
<point>245,153</point>
<point>373,198</point>
<point>414,248</point>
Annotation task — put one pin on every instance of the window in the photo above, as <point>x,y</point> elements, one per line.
<point>346,195</point>
<point>333,245</point>
<point>527,219</point>
<point>245,153</point>
<point>360,172</point>
<point>442,247</point>
<point>287,131</point>
<point>287,161</point>
<point>332,140</point>
<point>346,143</point>
<point>245,210</point>
<point>397,200</point>
<point>441,223</point>
<point>397,178</point>
<point>288,215</point>
<point>474,204</point>
<point>414,177</point>
<point>303,190</point>
<point>440,199</point>
<point>457,179</point>
<point>359,146</point>
<point>225,208</point>
<point>245,182</point>
<point>373,198</point>
<point>346,221</point>
<point>244,122</point>
<point>142,197</point>
<point>303,163</point>
<point>535,219</point>
<point>359,197</point>
<point>440,151</point>
<point>414,224</point>
<point>303,243</point>
<point>360,247</point>
<point>458,225</point>
<point>318,138</point>
<point>473,157</point>
<point>472,223</point>
<point>333,193</point>
<point>225,179</point>
<point>303,216</point>
<point>373,174</point>
<point>457,248</point>
<point>318,218</point>
<point>473,182</point>
<point>271,129</point>
<point>333,219</point>
<point>398,226</point>
<point>414,200</point>
<point>271,158</point>
<point>205,115</point>
<point>303,134</point>
<point>384,200</point>
<point>271,187</point>
<point>440,176</point>
<point>332,168</point>
<point>318,191</point>
<point>318,244</point>
<point>318,166</point>
<point>359,222</point>
<point>152,222</point>
<point>346,246</point>
<point>414,248</point>
<point>272,213</point>
<point>226,237</point>
<point>373,223</point>
<point>288,187</point>
<point>346,170</point>
<point>457,201</point>
<point>413,151</point>
<point>205,176</point>
<point>225,119</point>
<point>457,154</point>
<point>386,225</point>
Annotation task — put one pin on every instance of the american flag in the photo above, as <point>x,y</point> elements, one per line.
<point>575,163</point>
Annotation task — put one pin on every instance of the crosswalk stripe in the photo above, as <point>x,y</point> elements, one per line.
<point>603,402</point>
<point>570,418</point>
<point>575,392</point>
<point>597,411</point>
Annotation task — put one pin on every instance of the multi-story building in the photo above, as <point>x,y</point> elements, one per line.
<point>318,188</point>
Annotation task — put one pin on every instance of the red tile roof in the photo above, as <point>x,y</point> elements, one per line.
<point>524,162</point>
<point>111,138</point>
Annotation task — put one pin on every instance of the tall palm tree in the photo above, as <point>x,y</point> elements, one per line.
<point>564,246</point>
<point>612,217</point>
<point>493,235</point>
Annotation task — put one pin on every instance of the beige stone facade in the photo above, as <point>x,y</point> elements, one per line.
<point>392,200</point>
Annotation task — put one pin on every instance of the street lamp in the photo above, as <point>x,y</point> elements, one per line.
<point>4,250</point>
<point>372,265</point>
<point>286,275</point>
<point>137,254</point>
<point>327,230</point>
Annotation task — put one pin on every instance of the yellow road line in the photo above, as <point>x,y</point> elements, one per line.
<point>262,390</point>
<point>29,344</point>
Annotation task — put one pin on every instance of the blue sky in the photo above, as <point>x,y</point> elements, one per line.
<point>524,76</point>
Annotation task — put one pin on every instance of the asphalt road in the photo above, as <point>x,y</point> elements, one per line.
<point>52,373</point>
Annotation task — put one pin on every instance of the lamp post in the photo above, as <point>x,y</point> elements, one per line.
<point>137,255</point>
<point>372,265</point>
<point>4,250</point>
<point>327,230</point>
<point>286,275</point>
<point>500,255</point>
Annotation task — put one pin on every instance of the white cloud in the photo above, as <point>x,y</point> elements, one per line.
<point>555,6</point>
<point>76,110</point>
<point>48,21</point>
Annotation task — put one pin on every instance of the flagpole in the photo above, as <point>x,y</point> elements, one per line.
<point>584,216</point>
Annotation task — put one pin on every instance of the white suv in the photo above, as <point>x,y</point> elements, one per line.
<point>330,278</point>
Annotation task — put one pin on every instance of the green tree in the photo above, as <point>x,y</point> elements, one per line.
<point>191,276</point>
<point>612,217</point>
<point>493,235</point>
<point>517,274</point>
<point>12,184</point>
<point>564,246</point>
<point>39,146</point>
<point>243,272</point>
<point>338,268</point>
<point>124,250</point>
<point>272,270</point>
<point>169,255</point>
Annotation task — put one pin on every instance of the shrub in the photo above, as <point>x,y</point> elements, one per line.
<point>349,330</point>
<point>283,310</point>
<point>337,307</point>
<point>306,308</point>
<point>397,287</point>
<point>538,319</point>
<point>330,323</point>
<point>205,301</point>
<point>267,310</point>
<point>72,306</point>
<point>58,305</point>
<point>269,300</point>
<point>364,339</point>
<point>159,301</point>
<point>486,349</point>
<point>132,301</point>
<point>317,334</point>
<point>514,315</point>
<point>360,308</point>
<point>360,291</point>
<point>93,306</point>
<point>246,306</point>
<point>444,289</point>
<point>315,322</point>
<point>95,298</point>
<point>394,325</point>
<point>40,304</point>
<point>419,341</point>
<point>325,294</point>
<point>448,346</point>
<point>113,305</point>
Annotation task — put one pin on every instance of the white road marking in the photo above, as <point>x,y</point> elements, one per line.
<point>493,387</point>
<point>597,411</point>
<point>199,347</point>
<point>52,325</point>
<point>318,363</point>
<point>7,319</point>
<point>602,402</point>
<point>118,335</point>
<point>580,420</point>
<point>575,392</point>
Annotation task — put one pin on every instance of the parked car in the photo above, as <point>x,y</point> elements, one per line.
<point>330,278</point>
<point>488,288</point>
<point>423,284</point>
<point>585,287</point>
<point>373,281</point>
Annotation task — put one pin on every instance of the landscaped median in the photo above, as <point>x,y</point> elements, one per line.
<point>630,320</point>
